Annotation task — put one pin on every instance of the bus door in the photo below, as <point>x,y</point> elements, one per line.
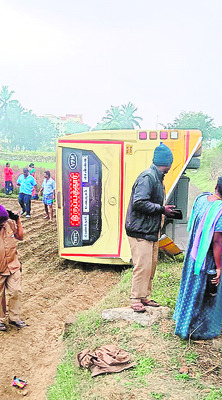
<point>90,198</point>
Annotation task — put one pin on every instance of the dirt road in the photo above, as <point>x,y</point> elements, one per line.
<point>52,290</point>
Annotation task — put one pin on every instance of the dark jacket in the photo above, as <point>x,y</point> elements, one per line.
<point>145,208</point>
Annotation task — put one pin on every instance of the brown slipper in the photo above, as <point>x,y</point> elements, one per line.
<point>150,303</point>
<point>138,307</point>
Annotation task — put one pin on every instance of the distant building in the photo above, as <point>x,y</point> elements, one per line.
<point>60,122</point>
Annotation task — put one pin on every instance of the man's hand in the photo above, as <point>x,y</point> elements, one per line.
<point>169,210</point>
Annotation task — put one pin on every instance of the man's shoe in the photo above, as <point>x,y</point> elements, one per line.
<point>2,327</point>
<point>22,212</point>
<point>18,324</point>
<point>28,216</point>
<point>150,303</point>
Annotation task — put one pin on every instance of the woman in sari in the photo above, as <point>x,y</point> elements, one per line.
<point>198,313</point>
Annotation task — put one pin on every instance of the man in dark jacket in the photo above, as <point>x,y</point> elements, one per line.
<point>143,223</point>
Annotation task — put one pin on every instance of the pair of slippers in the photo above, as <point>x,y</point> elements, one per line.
<point>140,307</point>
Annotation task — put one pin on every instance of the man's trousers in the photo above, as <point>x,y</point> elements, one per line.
<point>12,284</point>
<point>145,257</point>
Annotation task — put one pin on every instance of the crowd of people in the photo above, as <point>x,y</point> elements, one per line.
<point>28,189</point>
<point>198,313</point>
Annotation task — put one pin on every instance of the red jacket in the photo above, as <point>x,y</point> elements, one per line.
<point>8,174</point>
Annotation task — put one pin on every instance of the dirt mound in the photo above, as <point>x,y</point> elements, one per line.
<point>53,289</point>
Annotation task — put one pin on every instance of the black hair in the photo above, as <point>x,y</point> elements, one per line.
<point>47,173</point>
<point>219,185</point>
<point>7,164</point>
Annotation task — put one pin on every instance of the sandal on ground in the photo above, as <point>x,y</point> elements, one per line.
<point>138,307</point>
<point>150,303</point>
<point>18,324</point>
<point>2,326</point>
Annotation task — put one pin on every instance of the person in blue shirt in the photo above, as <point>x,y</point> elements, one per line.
<point>48,189</point>
<point>26,182</point>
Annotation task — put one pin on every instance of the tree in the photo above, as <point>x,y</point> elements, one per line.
<point>76,127</point>
<point>128,117</point>
<point>192,120</point>
<point>20,128</point>
<point>120,117</point>
<point>112,120</point>
<point>5,101</point>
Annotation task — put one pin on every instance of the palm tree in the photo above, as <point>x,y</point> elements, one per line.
<point>112,119</point>
<point>129,120</point>
<point>5,102</point>
<point>120,117</point>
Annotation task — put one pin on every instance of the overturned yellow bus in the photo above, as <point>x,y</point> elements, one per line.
<point>95,174</point>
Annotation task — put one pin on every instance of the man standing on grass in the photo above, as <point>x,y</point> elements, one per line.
<point>143,223</point>
<point>26,182</point>
<point>48,189</point>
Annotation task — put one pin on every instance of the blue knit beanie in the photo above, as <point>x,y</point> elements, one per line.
<point>162,156</point>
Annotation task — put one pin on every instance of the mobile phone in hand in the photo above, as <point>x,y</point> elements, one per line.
<point>13,216</point>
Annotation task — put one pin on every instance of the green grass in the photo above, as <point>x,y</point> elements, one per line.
<point>68,383</point>
<point>191,357</point>
<point>23,164</point>
<point>205,177</point>
<point>91,331</point>
<point>157,396</point>
<point>28,153</point>
<point>215,394</point>
<point>144,366</point>
<point>182,377</point>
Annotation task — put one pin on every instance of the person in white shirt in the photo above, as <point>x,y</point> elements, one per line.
<point>48,189</point>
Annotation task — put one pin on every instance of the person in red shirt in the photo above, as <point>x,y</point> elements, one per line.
<point>8,179</point>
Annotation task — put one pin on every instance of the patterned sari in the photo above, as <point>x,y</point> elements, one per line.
<point>198,314</point>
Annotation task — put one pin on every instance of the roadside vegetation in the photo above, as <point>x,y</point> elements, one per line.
<point>156,351</point>
<point>206,176</point>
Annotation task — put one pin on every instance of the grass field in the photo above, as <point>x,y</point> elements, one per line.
<point>157,352</point>
<point>210,169</point>
<point>22,164</point>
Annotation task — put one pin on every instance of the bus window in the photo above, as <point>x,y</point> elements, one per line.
<point>82,174</point>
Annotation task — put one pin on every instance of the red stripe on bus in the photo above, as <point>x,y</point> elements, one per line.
<point>121,198</point>
<point>90,255</point>
<point>162,246</point>
<point>90,141</point>
<point>187,144</point>
<point>121,194</point>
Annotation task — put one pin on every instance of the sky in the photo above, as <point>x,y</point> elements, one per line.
<point>81,57</point>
